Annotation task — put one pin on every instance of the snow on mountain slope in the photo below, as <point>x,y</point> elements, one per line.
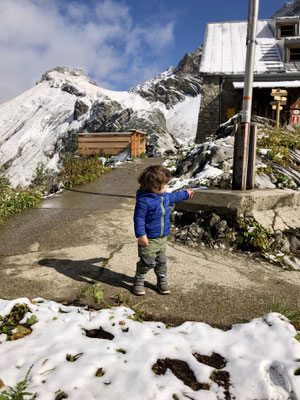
<point>38,124</point>
<point>182,119</point>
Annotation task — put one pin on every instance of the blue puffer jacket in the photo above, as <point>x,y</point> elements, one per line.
<point>152,212</point>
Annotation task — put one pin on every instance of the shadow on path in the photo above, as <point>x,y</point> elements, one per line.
<point>101,194</point>
<point>86,271</point>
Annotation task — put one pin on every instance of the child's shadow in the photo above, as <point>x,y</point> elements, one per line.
<point>86,271</point>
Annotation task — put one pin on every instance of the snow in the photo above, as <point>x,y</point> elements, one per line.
<point>225,48</point>
<point>263,151</point>
<point>182,119</point>
<point>262,355</point>
<point>33,125</point>
<point>209,172</point>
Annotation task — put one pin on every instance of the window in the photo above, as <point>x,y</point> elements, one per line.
<point>293,54</point>
<point>285,30</point>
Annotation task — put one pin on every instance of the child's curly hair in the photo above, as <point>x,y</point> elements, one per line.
<point>154,177</point>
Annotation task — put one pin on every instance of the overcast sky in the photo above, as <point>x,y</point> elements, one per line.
<point>118,43</point>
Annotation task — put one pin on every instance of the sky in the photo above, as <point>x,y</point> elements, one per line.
<point>118,43</point>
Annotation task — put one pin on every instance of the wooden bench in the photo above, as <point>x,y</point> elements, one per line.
<point>112,143</point>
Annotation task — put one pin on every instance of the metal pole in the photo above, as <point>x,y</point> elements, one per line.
<point>250,58</point>
<point>241,148</point>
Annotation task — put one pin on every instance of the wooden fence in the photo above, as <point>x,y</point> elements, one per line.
<point>112,143</point>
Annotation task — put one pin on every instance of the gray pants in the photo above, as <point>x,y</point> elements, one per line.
<point>152,256</point>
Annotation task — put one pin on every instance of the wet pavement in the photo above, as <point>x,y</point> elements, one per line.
<point>85,235</point>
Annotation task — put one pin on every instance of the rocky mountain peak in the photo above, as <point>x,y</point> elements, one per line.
<point>173,85</point>
<point>290,9</point>
<point>190,63</point>
<point>59,74</point>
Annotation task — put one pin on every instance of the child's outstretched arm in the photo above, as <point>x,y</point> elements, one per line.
<point>181,195</point>
<point>140,213</point>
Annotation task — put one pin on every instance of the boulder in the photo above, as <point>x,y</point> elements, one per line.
<point>80,109</point>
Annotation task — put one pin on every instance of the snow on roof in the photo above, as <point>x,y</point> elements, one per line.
<point>225,48</point>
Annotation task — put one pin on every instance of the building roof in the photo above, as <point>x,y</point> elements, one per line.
<point>225,49</point>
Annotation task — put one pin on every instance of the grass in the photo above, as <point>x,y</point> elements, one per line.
<point>284,308</point>
<point>279,142</point>
<point>13,201</point>
<point>75,171</point>
<point>19,392</point>
<point>270,138</point>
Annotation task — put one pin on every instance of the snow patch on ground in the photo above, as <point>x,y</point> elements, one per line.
<point>262,355</point>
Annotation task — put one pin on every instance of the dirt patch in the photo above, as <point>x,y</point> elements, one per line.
<point>99,334</point>
<point>215,360</point>
<point>181,370</point>
<point>222,378</point>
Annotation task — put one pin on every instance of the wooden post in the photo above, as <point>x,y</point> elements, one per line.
<point>277,114</point>
<point>240,157</point>
<point>133,144</point>
<point>251,170</point>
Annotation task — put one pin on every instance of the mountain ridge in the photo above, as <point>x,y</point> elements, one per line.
<point>42,122</point>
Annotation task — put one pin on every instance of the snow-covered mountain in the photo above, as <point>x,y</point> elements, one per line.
<point>41,122</point>
<point>290,9</point>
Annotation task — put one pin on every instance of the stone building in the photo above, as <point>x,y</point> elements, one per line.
<point>277,65</point>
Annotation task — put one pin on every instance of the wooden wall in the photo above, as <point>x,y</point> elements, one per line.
<point>112,143</point>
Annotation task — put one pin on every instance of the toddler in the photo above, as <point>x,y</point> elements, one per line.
<point>152,225</point>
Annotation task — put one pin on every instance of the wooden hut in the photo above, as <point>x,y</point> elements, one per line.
<point>112,143</point>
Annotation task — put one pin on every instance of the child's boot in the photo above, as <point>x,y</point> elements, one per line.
<point>138,285</point>
<point>162,284</point>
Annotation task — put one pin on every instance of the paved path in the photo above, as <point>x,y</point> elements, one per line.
<point>85,236</point>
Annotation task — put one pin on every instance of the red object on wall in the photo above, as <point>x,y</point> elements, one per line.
<point>295,113</point>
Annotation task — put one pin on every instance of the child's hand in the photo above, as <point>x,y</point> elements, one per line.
<point>143,241</point>
<point>191,192</point>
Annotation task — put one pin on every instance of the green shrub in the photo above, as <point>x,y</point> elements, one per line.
<point>42,176</point>
<point>272,137</point>
<point>79,170</point>
<point>13,201</point>
<point>143,155</point>
<point>252,236</point>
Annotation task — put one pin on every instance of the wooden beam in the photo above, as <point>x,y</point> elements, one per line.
<point>251,168</point>
<point>240,157</point>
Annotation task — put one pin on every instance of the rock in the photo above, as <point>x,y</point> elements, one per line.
<point>293,263</point>
<point>214,220</point>
<point>100,114</point>
<point>190,63</point>
<point>80,109</point>
<point>263,181</point>
<point>295,243</point>
<point>154,123</point>
<point>222,181</point>
<point>220,154</point>
<point>72,90</point>
<point>286,247</point>
<point>221,227</point>
<point>171,86</point>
